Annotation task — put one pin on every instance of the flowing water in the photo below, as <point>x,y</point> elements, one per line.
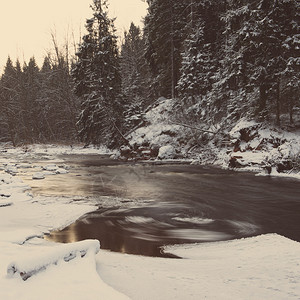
<point>142,207</point>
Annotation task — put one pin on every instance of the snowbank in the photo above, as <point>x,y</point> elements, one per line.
<point>263,267</point>
<point>254,146</point>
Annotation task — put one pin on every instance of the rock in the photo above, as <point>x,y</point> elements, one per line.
<point>166,152</point>
<point>268,169</point>
<point>154,150</point>
<point>25,166</point>
<point>61,171</point>
<point>50,167</point>
<point>11,169</point>
<point>284,166</point>
<point>126,152</point>
<point>235,163</point>
<point>38,176</point>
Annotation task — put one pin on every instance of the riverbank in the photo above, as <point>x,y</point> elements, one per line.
<point>261,267</point>
<point>243,145</point>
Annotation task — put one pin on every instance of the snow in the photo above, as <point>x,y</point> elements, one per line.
<point>263,267</point>
<point>166,152</point>
<point>38,175</point>
<point>32,264</point>
<point>52,271</point>
<point>242,124</point>
<point>261,146</point>
<point>158,129</point>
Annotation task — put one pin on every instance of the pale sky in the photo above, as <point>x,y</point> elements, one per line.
<point>25,25</point>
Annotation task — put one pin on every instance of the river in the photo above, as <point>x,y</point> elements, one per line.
<point>143,206</point>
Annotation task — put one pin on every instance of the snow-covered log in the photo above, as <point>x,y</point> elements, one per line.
<point>26,267</point>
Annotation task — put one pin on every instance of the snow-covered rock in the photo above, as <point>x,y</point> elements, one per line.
<point>38,175</point>
<point>61,171</point>
<point>50,167</point>
<point>166,152</point>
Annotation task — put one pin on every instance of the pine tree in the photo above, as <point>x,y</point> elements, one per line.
<point>199,56</point>
<point>135,76</point>
<point>31,105</point>
<point>9,103</point>
<point>278,26</point>
<point>97,79</point>
<point>197,68</point>
<point>257,53</point>
<point>164,33</point>
<point>58,103</point>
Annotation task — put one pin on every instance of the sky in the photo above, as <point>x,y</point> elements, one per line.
<point>26,26</point>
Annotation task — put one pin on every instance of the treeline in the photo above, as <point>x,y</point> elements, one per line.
<point>218,60</point>
<point>37,105</point>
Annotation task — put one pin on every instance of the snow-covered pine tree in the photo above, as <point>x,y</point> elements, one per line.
<point>32,107</point>
<point>200,49</point>
<point>200,57</point>
<point>10,108</point>
<point>135,76</point>
<point>291,75</point>
<point>278,25</point>
<point>164,35</point>
<point>238,59</point>
<point>97,79</point>
<point>256,53</point>
<point>197,67</point>
<point>58,103</point>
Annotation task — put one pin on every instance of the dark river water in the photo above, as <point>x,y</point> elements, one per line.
<point>142,207</point>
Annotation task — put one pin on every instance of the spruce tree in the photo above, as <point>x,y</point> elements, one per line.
<point>199,58</point>
<point>135,76</point>
<point>9,103</point>
<point>97,79</point>
<point>257,51</point>
<point>32,107</point>
<point>164,33</point>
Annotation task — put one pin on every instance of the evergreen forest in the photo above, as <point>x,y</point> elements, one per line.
<point>219,61</point>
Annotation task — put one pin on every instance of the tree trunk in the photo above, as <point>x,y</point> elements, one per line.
<point>278,103</point>
<point>262,99</point>
<point>291,108</point>
<point>172,55</point>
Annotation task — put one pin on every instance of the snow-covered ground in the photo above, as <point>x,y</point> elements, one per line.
<point>263,267</point>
